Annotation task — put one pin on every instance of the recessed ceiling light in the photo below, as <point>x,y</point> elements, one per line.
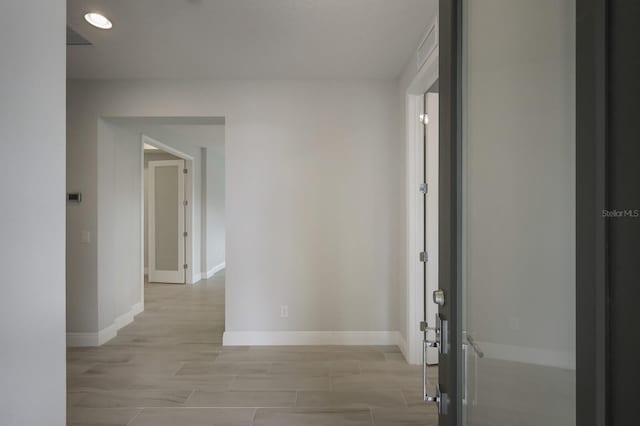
<point>98,20</point>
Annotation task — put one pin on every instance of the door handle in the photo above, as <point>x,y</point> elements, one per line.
<point>469,342</point>
<point>442,335</point>
<point>474,345</point>
<point>440,342</point>
<point>440,398</point>
<point>425,372</point>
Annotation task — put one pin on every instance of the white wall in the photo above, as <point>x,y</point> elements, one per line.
<point>32,119</point>
<point>314,193</point>
<point>118,237</point>
<point>82,256</point>
<point>215,200</point>
<point>116,280</point>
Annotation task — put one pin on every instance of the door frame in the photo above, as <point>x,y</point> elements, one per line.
<point>178,276</point>
<point>592,285</point>
<point>591,231</point>
<point>424,79</point>
<point>191,276</point>
<point>431,213</point>
<point>450,364</point>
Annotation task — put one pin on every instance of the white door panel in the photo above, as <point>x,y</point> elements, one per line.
<point>166,244</point>
<point>431,215</point>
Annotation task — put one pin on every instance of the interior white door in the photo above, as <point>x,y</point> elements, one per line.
<point>166,241</point>
<point>431,215</point>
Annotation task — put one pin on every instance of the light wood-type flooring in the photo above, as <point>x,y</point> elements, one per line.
<point>169,368</point>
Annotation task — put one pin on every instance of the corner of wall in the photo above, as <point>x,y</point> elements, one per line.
<point>102,336</point>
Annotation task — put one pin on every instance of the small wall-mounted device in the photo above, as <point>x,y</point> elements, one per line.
<point>74,197</point>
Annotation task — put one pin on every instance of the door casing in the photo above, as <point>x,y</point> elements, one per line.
<point>424,79</point>
<point>192,276</point>
<point>155,274</point>
<point>449,215</point>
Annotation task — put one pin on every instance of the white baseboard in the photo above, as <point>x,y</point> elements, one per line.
<point>528,355</point>
<point>81,339</point>
<point>101,337</point>
<point>195,277</point>
<point>211,272</point>
<point>310,338</point>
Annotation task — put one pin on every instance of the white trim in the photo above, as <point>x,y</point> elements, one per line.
<point>178,276</point>
<point>211,272</point>
<point>203,213</point>
<point>426,76</point>
<point>423,80</point>
<point>529,355</point>
<point>103,336</point>
<point>427,44</point>
<point>189,221</point>
<point>144,272</point>
<point>191,276</point>
<point>415,273</point>
<point>166,148</point>
<point>311,338</point>
<point>431,215</point>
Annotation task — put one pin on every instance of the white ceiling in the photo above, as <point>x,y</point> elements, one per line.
<point>248,39</point>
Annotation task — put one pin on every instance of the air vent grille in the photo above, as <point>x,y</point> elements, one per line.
<point>429,42</point>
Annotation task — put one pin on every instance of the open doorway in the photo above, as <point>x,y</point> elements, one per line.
<point>161,194</point>
<point>120,203</point>
<point>167,208</point>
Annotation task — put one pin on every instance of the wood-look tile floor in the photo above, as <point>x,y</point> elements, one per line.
<point>168,368</point>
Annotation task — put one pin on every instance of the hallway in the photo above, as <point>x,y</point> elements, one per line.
<point>169,368</point>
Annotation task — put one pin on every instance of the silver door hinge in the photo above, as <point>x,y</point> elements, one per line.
<point>185,171</point>
<point>184,234</point>
<point>424,257</point>
<point>185,266</point>
<point>185,202</point>
<point>424,188</point>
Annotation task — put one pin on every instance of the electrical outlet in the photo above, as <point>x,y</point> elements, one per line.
<point>284,311</point>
